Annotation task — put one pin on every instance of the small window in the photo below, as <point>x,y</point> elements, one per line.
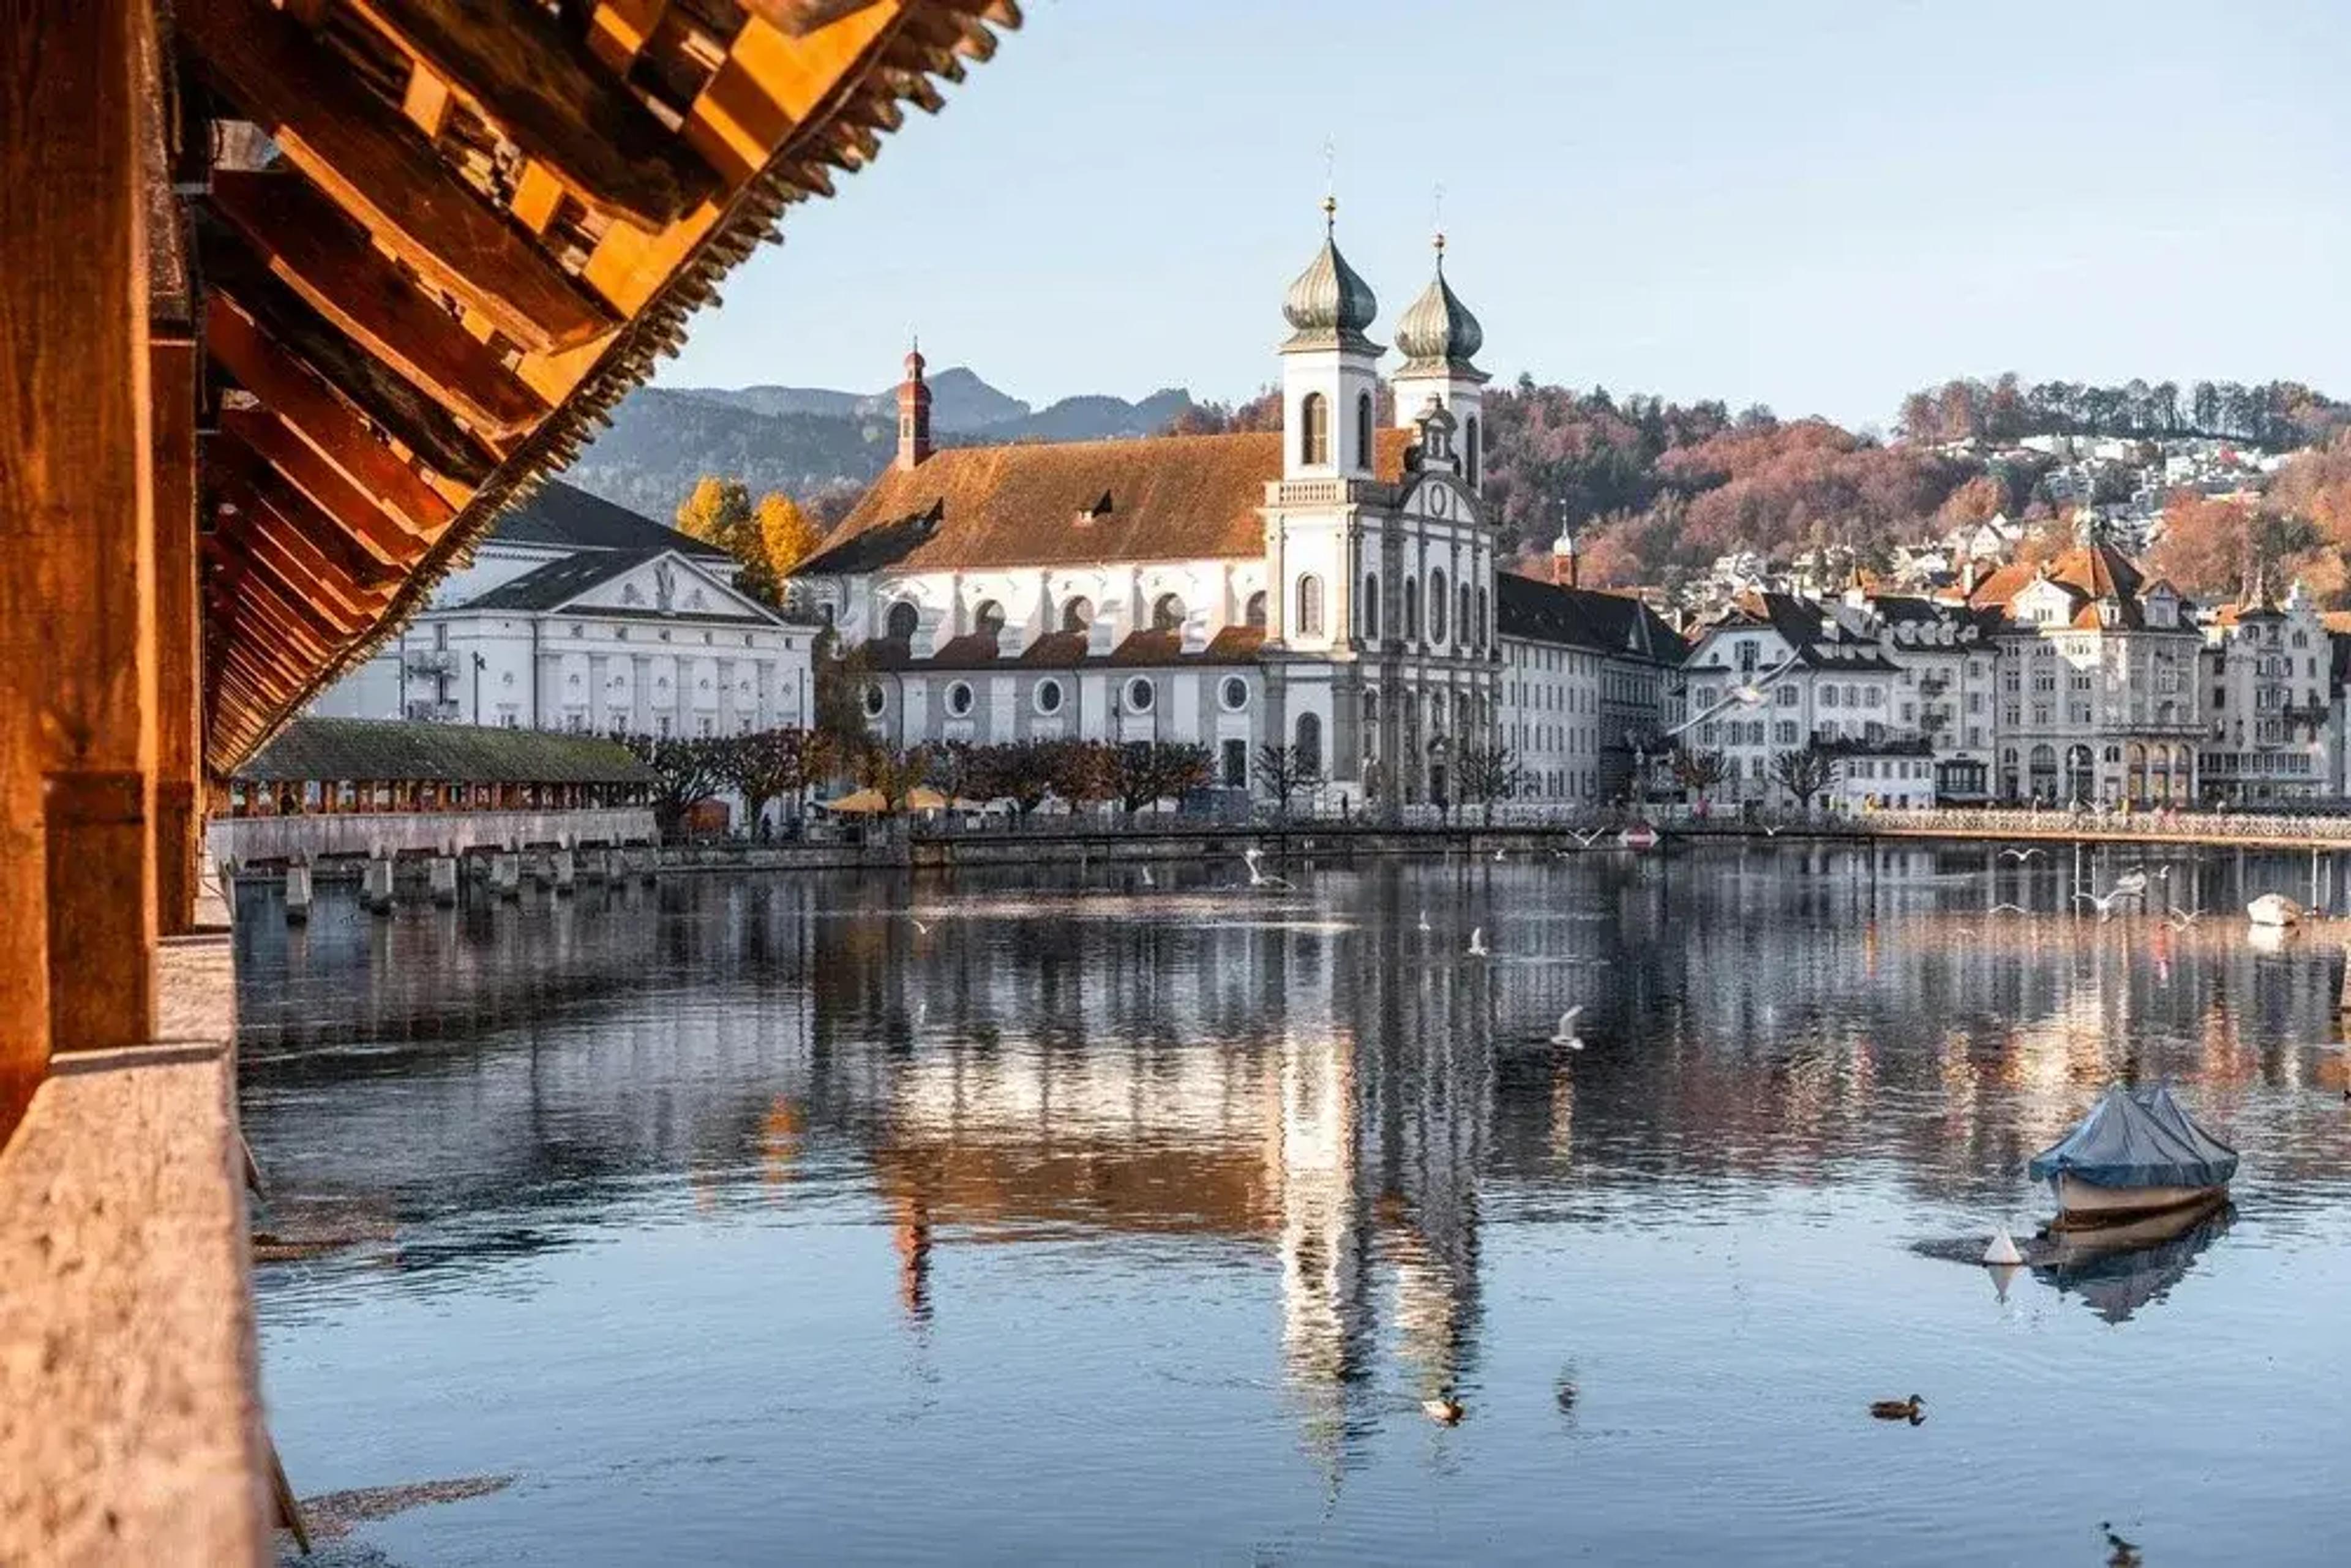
<point>1235,694</point>
<point>1371,605</point>
<point>1309,743</point>
<point>1364,430</point>
<point>1048,696</point>
<point>875,702</point>
<point>1310,606</point>
<point>1253,612</point>
<point>989,618</point>
<point>901,622</point>
<point>1077,614</point>
<point>1411,627</point>
<point>1167,614</point>
<point>1436,606</point>
<point>1470,452</point>
<point>959,698</point>
<point>1314,430</point>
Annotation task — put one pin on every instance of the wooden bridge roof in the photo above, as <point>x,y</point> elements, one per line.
<point>435,240</point>
<point>394,751</point>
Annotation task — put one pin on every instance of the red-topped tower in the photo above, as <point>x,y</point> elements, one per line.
<point>913,413</point>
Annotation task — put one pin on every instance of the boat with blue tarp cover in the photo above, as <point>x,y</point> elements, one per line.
<point>2136,1152</point>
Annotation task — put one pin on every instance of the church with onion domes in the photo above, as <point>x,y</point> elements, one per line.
<point>1332,586</point>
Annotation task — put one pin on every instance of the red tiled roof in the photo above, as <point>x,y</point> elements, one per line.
<point>2094,571</point>
<point>1172,498</point>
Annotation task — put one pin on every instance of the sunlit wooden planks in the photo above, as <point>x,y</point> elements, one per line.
<point>553,98</point>
<point>379,170</point>
<point>327,260</point>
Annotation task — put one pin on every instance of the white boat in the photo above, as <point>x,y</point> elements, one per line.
<point>1640,836</point>
<point>2136,1153</point>
<point>2273,909</point>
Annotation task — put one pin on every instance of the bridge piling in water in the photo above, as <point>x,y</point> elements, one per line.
<point>505,875</point>
<point>297,893</point>
<point>441,876</point>
<point>375,885</point>
<point>562,870</point>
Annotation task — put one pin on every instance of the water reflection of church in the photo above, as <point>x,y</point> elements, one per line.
<point>1327,1099</point>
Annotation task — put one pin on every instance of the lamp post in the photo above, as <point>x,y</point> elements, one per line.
<point>1439,749</point>
<point>480,665</point>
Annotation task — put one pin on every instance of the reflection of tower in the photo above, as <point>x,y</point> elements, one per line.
<point>1322,1239</point>
<point>910,1233</point>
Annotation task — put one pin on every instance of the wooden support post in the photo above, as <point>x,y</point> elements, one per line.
<point>179,639</point>
<point>76,562</point>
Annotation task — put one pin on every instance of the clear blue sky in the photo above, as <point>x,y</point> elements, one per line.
<point>1813,203</point>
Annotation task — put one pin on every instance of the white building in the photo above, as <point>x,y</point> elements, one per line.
<point>576,614</point>
<point>1329,587</point>
<point>2269,682</point>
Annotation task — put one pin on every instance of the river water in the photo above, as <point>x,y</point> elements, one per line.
<point>1051,1218</point>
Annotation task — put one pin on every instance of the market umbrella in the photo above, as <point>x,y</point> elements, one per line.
<point>864,802</point>
<point>923,798</point>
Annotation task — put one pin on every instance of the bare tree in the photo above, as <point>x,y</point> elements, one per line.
<point>1698,771</point>
<point>1804,774</point>
<point>1285,771</point>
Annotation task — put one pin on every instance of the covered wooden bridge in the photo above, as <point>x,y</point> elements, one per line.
<point>298,295</point>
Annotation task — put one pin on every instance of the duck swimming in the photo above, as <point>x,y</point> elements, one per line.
<point>1912,1409</point>
<point>1445,1410</point>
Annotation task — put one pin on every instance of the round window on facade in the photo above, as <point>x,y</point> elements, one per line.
<point>1139,694</point>
<point>1235,694</point>
<point>875,702</point>
<point>959,698</point>
<point>1048,696</point>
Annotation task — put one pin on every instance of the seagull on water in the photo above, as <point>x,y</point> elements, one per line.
<point>1567,1039</point>
<point>1257,878</point>
<point>2019,856</point>
<point>1478,948</point>
<point>1500,853</point>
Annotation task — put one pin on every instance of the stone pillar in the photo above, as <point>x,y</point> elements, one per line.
<point>505,875</point>
<point>648,863</point>
<point>375,885</point>
<point>443,878</point>
<point>297,893</point>
<point>564,870</point>
<point>595,864</point>
<point>542,867</point>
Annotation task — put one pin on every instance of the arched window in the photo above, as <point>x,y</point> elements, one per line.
<point>1310,606</point>
<point>1314,430</point>
<point>1469,453</point>
<point>1253,612</point>
<point>989,618</point>
<point>1436,606</point>
<point>1167,614</point>
<point>1364,430</point>
<point>1077,614</point>
<point>1481,617</point>
<point>1310,743</point>
<point>1461,621</point>
<point>1370,611</point>
<point>1411,607</point>
<point>899,624</point>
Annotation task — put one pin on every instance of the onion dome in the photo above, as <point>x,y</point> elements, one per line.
<point>1437,332</point>
<point>1329,304</point>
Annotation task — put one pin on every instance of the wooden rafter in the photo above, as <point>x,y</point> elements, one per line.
<point>545,89</point>
<point>379,170</point>
<point>328,424</point>
<point>385,537</point>
<point>327,260</point>
<point>393,404</point>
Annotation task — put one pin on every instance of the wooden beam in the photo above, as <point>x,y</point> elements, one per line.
<point>362,154</point>
<point>328,424</point>
<point>404,413</point>
<point>798,19</point>
<point>353,511</point>
<point>555,100</point>
<point>178,843</point>
<point>76,563</point>
<point>329,261</point>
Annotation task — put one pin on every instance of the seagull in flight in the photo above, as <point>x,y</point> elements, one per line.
<point>2132,881</point>
<point>2019,856</point>
<point>1588,839</point>
<point>1478,948</point>
<point>1567,1038</point>
<point>2008,909</point>
<point>1423,921</point>
<point>2184,918</point>
<point>1500,853</point>
<point>1146,878</point>
<point>2105,907</point>
<point>1257,878</point>
<point>1770,830</point>
<point>920,930</point>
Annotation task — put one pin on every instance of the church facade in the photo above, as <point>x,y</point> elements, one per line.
<point>1329,587</point>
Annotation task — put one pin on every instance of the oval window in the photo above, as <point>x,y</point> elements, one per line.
<point>959,698</point>
<point>1048,696</point>
<point>1139,694</point>
<point>875,702</point>
<point>1236,693</point>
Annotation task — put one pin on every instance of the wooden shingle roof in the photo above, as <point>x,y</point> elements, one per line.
<point>395,751</point>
